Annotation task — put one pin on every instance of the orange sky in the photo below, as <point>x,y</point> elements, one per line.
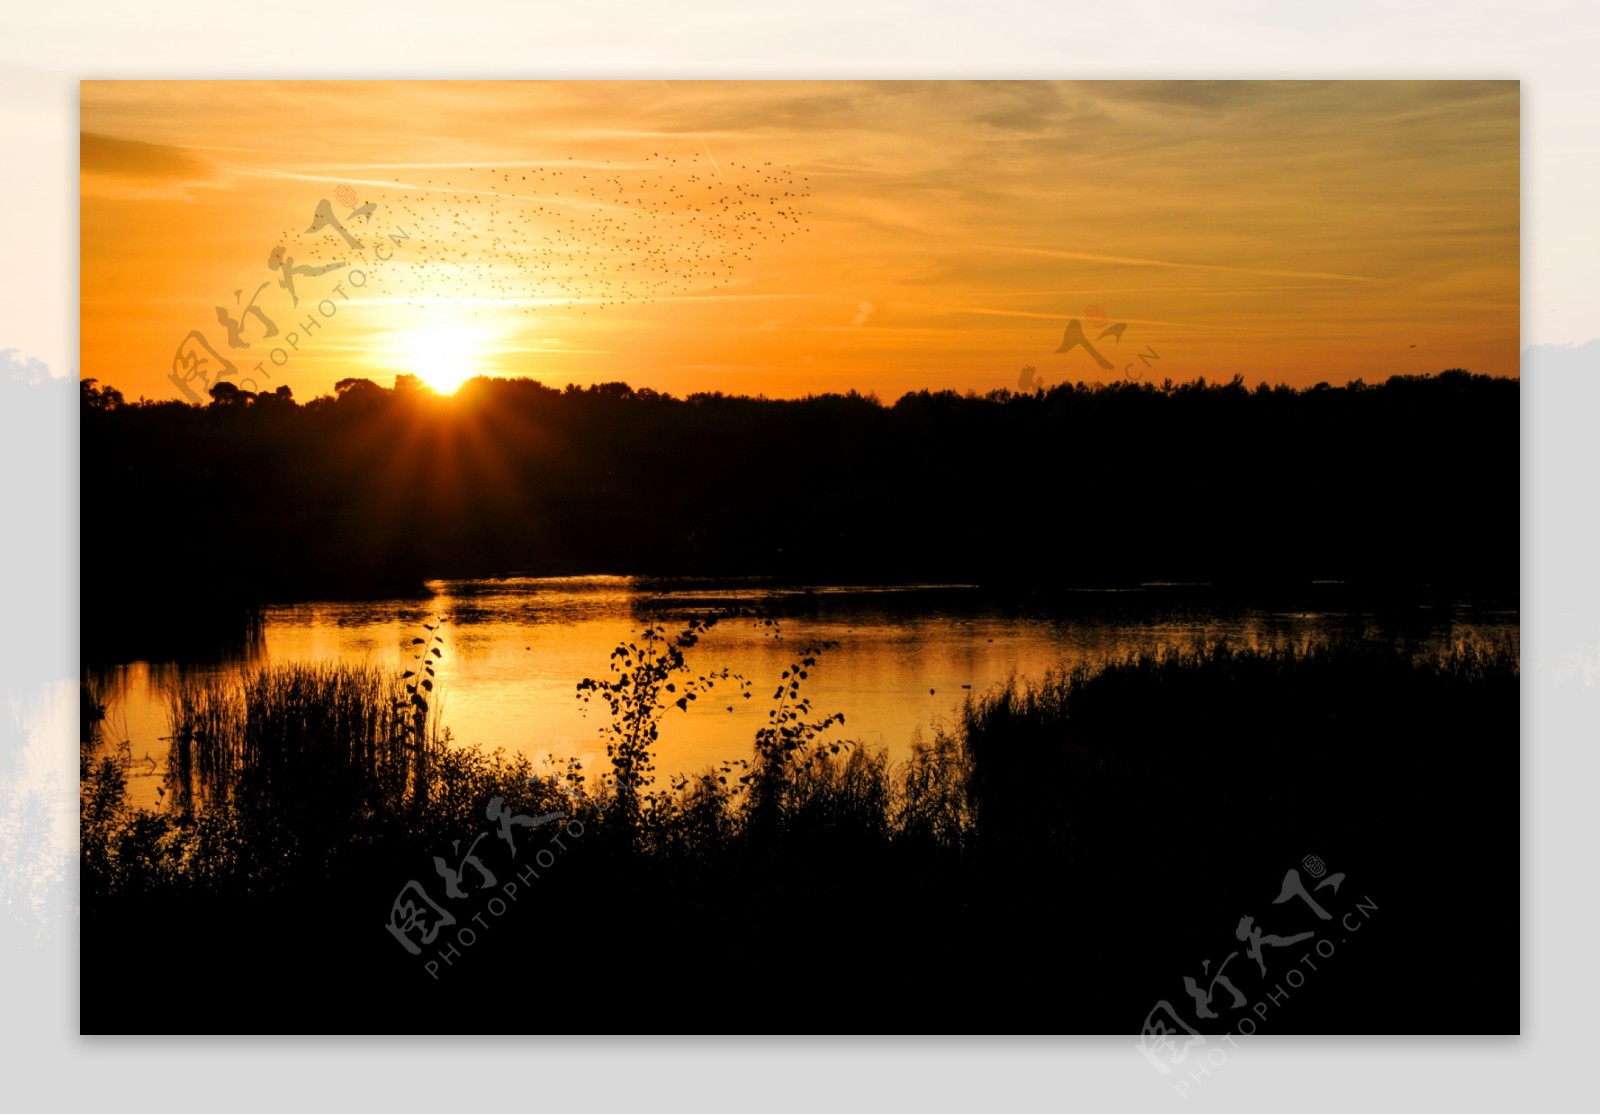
<point>932,234</point>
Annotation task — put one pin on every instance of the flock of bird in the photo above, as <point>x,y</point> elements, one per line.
<point>584,235</point>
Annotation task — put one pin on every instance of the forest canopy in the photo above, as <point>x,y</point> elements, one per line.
<point>257,497</point>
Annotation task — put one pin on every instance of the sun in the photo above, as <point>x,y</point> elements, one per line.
<point>443,355</point>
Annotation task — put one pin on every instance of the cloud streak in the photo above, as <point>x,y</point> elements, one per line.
<point>1135,261</point>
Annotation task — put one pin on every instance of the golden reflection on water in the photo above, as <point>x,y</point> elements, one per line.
<point>515,649</point>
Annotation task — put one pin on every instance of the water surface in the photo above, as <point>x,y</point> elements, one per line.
<point>906,655</point>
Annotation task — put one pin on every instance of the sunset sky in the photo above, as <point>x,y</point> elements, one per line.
<point>795,237</point>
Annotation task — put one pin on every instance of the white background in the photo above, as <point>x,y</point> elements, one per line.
<point>46,48</point>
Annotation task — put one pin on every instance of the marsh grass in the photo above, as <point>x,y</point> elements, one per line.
<point>288,769</point>
<point>1123,762</point>
<point>1082,836</point>
<point>323,735</point>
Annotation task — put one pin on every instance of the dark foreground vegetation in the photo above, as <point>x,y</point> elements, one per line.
<point>1059,861</point>
<point>254,499</point>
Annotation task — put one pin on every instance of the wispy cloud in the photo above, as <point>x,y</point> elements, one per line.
<point>99,154</point>
<point>1137,261</point>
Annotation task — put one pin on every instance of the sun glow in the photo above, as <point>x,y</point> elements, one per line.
<point>444,355</point>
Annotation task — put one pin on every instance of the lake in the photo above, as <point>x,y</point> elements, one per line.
<point>906,655</point>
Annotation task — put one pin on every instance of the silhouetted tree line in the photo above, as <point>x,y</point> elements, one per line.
<point>257,497</point>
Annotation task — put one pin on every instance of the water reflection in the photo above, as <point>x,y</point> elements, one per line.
<point>907,655</point>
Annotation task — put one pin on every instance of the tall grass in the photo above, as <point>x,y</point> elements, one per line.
<point>1158,749</point>
<point>1058,836</point>
<point>285,771</point>
<point>323,733</point>
<point>1108,763</point>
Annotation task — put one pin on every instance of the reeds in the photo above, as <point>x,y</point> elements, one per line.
<point>1106,763</point>
<point>293,733</point>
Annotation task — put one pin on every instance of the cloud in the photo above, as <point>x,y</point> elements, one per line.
<point>1135,261</point>
<point>129,158</point>
<point>863,311</point>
